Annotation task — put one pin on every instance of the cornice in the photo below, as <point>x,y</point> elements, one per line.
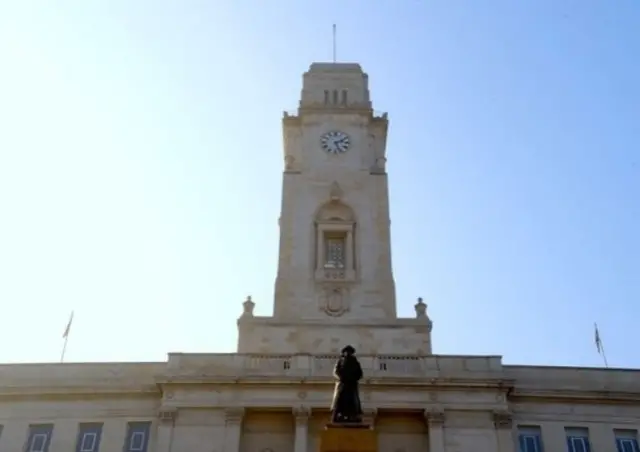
<point>390,382</point>
<point>56,392</point>
<point>573,396</point>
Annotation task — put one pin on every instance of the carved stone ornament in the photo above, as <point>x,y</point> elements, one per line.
<point>335,193</point>
<point>302,415</point>
<point>247,307</point>
<point>167,414</point>
<point>434,417</point>
<point>502,419</point>
<point>421,308</point>
<point>335,300</point>
<point>233,415</point>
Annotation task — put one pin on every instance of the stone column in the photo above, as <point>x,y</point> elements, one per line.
<point>166,423</point>
<point>435,421</point>
<point>301,440</point>
<point>319,249</point>
<point>504,433</point>
<point>233,429</point>
<point>349,255</point>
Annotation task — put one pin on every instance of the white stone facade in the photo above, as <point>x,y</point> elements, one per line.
<point>334,286</point>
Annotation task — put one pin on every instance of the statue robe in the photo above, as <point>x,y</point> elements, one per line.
<point>346,398</point>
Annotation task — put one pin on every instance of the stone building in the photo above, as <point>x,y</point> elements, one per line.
<point>334,286</point>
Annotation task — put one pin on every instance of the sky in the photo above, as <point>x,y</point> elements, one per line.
<point>141,169</point>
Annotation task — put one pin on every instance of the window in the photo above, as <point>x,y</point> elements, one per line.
<point>529,439</point>
<point>344,97</point>
<point>39,438</point>
<point>335,96</point>
<point>89,437</point>
<point>335,242</point>
<point>137,437</point>
<point>627,440</point>
<point>578,440</point>
<point>326,96</point>
<point>334,252</point>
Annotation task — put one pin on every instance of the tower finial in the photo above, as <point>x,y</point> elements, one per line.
<point>334,43</point>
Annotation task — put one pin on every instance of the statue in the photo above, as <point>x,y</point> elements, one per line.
<point>346,407</point>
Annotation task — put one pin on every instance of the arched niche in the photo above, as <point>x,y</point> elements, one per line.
<point>335,211</point>
<point>335,241</point>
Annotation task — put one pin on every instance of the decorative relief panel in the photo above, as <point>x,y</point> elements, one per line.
<point>334,300</point>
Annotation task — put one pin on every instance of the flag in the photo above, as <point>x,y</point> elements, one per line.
<point>597,339</point>
<point>66,330</point>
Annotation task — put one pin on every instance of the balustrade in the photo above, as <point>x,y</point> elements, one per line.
<point>373,366</point>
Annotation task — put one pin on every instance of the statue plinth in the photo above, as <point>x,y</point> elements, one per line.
<point>348,437</point>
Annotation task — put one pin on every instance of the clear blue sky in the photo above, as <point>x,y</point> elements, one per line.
<point>140,169</point>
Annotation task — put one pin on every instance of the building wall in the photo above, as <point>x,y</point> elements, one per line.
<point>467,431</point>
<point>206,429</point>
<point>242,403</point>
<point>267,430</point>
<point>67,414</point>
<point>195,430</point>
<point>404,336</point>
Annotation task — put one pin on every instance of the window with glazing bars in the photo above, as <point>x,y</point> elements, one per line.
<point>578,440</point>
<point>627,440</point>
<point>334,251</point>
<point>529,439</point>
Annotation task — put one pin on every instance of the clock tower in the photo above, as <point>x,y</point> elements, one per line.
<point>335,282</point>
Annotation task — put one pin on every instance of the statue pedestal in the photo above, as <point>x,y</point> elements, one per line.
<point>348,438</point>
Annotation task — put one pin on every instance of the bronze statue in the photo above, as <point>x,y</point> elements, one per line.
<point>346,406</point>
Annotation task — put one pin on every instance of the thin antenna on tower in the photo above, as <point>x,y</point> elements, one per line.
<point>334,43</point>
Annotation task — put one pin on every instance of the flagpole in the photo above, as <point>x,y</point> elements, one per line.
<point>334,43</point>
<point>604,355</point>
<point>64,348</point>
<point>65,335</point>
<point>599,345</point>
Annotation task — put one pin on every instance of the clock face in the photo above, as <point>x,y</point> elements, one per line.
<point>335,142</point>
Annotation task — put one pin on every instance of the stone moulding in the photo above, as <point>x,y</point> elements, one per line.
<point>167,415</point>
<point>57,392</point>
<point>574,395</point>
<point>502,419</point>
<point>233,415</point>
<point>432,383</point>
<point>434,416</point>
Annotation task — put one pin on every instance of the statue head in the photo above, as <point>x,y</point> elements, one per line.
<point>348,351</point>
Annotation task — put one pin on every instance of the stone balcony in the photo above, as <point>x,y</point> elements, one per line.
<point>321,366</point>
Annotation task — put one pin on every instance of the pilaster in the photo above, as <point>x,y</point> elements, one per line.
<point>301,416</point>
<point>166,423</point>
<point>233,428</point>
<point>435,421</point>
<point>503,422</point>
